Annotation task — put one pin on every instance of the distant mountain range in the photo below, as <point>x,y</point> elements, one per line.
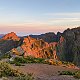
<point>61,46</point>
<point>1,35</point>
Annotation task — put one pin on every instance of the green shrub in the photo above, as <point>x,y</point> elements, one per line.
<point>19,60</point>
<point>66,73</point>
<point>75,74</point>
<point>18,64</point>
<point>38,60</point>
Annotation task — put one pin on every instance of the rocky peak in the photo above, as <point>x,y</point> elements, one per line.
<point>11,36</point>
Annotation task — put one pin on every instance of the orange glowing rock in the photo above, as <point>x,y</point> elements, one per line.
<point>11,36</point>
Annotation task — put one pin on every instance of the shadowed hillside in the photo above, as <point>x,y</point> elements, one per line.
<point>69,48</point>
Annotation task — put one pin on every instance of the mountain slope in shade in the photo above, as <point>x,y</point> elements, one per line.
<point>69,48</point>
<point>8,42</point>
<point>47,37</point>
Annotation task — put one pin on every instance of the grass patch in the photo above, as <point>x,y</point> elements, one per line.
<point>74,74</point>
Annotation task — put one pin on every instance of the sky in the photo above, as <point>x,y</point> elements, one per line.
<point>38,16</point>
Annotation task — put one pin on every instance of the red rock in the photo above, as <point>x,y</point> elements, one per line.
<point>39,48</point>
<point>11,36</point>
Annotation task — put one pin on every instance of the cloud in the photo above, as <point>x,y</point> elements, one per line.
<point>64,19</point>
<point>63,14</point>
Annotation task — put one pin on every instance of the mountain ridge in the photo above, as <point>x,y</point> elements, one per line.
<point>64,46</point>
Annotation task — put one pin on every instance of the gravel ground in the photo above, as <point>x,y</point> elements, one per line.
<point>46,72</point>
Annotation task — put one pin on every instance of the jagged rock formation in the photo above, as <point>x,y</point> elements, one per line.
<point>38,48</point>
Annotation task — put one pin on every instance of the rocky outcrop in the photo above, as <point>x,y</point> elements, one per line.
<point>38,48</point>
<point>11,36</point>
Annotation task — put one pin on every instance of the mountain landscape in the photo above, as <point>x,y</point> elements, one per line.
<point>49,48</point>
<point>39,39</point>
<point>64,46</point>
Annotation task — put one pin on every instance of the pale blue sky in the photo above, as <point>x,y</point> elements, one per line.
<point>38,16</point>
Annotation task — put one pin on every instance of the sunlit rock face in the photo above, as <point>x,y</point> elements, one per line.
<point>39,48</point>
<point>11,36</point>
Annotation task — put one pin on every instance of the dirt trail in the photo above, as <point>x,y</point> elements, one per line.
<point>46,72</point>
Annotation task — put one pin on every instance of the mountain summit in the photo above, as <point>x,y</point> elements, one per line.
<point>11,36</point>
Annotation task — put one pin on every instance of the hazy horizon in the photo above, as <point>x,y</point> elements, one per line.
<point>38,16</point>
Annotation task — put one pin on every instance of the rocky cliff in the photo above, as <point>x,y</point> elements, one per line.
<point>38,48</point>
<point>69,46</point>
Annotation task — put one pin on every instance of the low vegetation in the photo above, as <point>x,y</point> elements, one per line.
<point>67,73</point>
<point>53,62</point>
<point>27,77</point>
<point>75,74</point>
<point>6,70</point>
<point>19,61</point>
